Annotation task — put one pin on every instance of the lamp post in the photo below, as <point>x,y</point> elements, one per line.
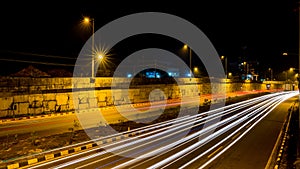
<point>271,73</point>
<point>229,75</point>
<point>88,20</point>
<point>225,65</point>
<point>196,72</point>
<point>292,69</point>
<point>100,58</point>
<point>286,54</point>
<point>287,80</point>
<point>190,56</point>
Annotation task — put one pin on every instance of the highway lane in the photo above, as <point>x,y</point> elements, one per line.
<point>254,150</point>
<point>151,147</point>
<point>179,159</point>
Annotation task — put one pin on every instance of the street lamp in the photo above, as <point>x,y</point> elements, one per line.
<point>287,80</point>
<point>196,71</point>
<point>292,70</point>
<point>285,72</point>
<point>88,20</point>
<point>286,54</point>
<point>295,78</point>
<point>185,47</point>
<point>229,75</point>
<point>100,57</point>
<point>225,63</point>
<point>289,54</point>
<point>271,73</point>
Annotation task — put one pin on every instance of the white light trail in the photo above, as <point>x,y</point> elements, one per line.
<point>209,138</point>
<point>178,124</point>
<point>189,137</point>
<point>229,136</point>
<point>237,139</point>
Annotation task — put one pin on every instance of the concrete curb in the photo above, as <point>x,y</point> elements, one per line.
<point>49,156</point>
<point>278,159</point>
<point>278,150</point>
<point>36,117</point>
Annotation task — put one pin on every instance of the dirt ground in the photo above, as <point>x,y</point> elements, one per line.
<point>12,147</point>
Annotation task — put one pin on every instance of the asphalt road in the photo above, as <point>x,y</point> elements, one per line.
<point>254,149</point>
<point>251,151</point>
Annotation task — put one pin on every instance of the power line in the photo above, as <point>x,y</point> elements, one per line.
<point>35,54</point>
<point>43,63</point>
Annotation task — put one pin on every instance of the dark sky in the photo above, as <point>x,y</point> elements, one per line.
<point>260,30</point>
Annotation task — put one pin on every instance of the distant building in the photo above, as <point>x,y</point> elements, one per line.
<point>245,70</point>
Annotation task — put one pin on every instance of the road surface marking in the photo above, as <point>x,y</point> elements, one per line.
<point>215,152</point>
<point>235,136</point>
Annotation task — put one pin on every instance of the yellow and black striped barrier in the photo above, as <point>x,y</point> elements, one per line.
<point>65,152</point>
<point>49,156</point>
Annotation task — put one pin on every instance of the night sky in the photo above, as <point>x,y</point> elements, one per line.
<point>259,30</point>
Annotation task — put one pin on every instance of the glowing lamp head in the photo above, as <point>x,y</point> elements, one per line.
<point>185,46</point>
<point>86,19</point>
<point>100,57</point>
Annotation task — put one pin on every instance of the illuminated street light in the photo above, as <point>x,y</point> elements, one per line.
<point>88,20</point>
<point>225,64</point>
<point>293,69</point>
<point>271,73</point>
<point>100,57</point>
<point>284,54</point>
<point>185,47</point>
<point>196,71</point>
<point>293,77</point>
<point>296,54</point>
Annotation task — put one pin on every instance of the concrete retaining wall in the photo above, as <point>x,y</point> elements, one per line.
<point>50,101</point>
